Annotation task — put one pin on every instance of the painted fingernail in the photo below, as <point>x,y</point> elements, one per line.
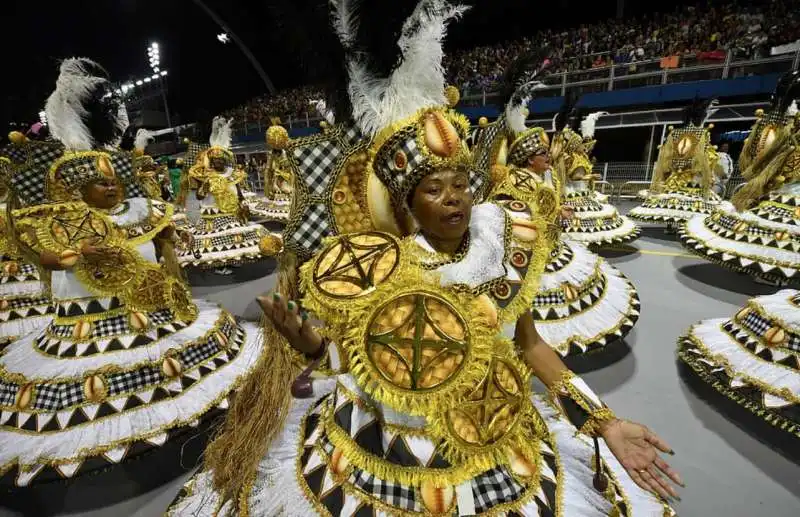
<point>671,452</point>
<point>304,316</point>
<point>276,296</point>
<point>291,305</point>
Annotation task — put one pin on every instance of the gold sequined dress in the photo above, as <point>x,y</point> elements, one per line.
<point>129,361</point>
<point>428,410</point>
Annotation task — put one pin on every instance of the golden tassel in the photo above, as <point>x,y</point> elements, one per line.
<point>663,165</point>
<point>259,408</point>
<point>770,166</point>
<point>700,163</point>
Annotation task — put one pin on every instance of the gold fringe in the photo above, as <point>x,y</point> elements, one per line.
<point>663,165</point>
<point>763,172</point>
<point>259,408</point>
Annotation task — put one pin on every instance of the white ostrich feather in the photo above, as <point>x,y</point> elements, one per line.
<point>322,108</point>
<point>791,111</point>
<point>515,109</point>
<point>712,108</point>
<point>416,83</point>
<point>589,123</point>
<point>143,137</point>
<point>65,107</point>
<point>345,21</point>
<point>221,132</point>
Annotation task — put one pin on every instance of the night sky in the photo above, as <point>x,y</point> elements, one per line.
<point>204,73</point>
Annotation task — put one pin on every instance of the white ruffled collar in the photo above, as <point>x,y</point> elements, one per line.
<point>485,255</point>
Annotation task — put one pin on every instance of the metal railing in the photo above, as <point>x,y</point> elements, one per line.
<point>624,180</point>
<point>608,78</point>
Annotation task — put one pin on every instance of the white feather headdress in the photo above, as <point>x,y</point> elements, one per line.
<point>588,124</point>
<point>416,83</point>
<point>322,108</point>
<point>221,133</point>
<point>143,138</point>
<point>516,109</point>
<point>65,108</point>
<point>791,111</point>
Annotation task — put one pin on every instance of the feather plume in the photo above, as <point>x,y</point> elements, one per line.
<point>322,108</point>
<point>515,109</point>
<point>345,21</point>
<point>711,108</point>
<point>66,109</point>
<point>791,111</point>
<point>588,124</point>
<point>143,138</point>
<point>221,132</point>
<point>417,82</point>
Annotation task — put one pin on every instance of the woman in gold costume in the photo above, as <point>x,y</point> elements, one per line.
<point>222,237</point>
<point>595,221</point>
<point>130,360</point>
<point>428,409</point>
<point>757,232</point>
<point>684,173</point>
<point>277,200</point>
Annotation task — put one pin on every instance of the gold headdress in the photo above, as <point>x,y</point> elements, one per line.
<point>414,133</point>
<point>73,171</point>
<point>525,142</point>
<point>220,141</point>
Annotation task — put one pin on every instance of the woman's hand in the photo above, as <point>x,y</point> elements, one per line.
<point>637,449</point>
<point>293,325</point>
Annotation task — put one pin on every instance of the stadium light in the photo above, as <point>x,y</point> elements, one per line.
<point>139,82</point>
<point>223,37</point>
<point>147,79</point>
<point>43,117</point>
<point>163,73</point>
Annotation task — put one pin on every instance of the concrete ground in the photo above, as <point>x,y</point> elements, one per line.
<point>728,472</point>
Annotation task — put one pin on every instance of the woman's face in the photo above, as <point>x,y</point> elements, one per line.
<point>103,194</point>
<point>539,162</point>
<point>442,204</point>
<point>218,164</point>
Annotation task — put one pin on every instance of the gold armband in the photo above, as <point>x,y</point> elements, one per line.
<point>579,404</point>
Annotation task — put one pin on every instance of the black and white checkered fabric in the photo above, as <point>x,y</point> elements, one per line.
<point>48,397</point>
<point>351,136</point>
<point>546,300</point>
<point>123,169</point>
<point>313,228</point>
<point>486,139</point>
<point>28,182</point>
<point>111,327</point>
<point>7,393</point>
<point>494,487</point>
<point>395,495</point>
<point>192,151</point>
<point>195,355</point>
<point>317,162</point>
<point>135,380</point>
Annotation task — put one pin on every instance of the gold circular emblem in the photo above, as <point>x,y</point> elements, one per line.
<point>417,342</point>
<point>355,264</point>
<point>491,410</point>
<point>72,229</point>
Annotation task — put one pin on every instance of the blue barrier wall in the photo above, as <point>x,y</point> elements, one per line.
<point>649,95</point>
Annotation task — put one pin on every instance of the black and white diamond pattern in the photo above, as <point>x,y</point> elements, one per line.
<point>398,496</point>
<point>313,228</point>
<point>317,161</point>
<point>495,487</point>
<point>134,380</point>
<point>28,182</point>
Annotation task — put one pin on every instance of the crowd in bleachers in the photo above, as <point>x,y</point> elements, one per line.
<point>701,33</point>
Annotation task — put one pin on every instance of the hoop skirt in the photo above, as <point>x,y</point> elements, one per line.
<point>220,239</point>
<point>763,241</point>
<point>24,301</point>
<point>675,205</point>
<point>753,358</point>
<point>583,303</point>
<point>596,222</point>
<point>103,384</point>
<point>266,209</point>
